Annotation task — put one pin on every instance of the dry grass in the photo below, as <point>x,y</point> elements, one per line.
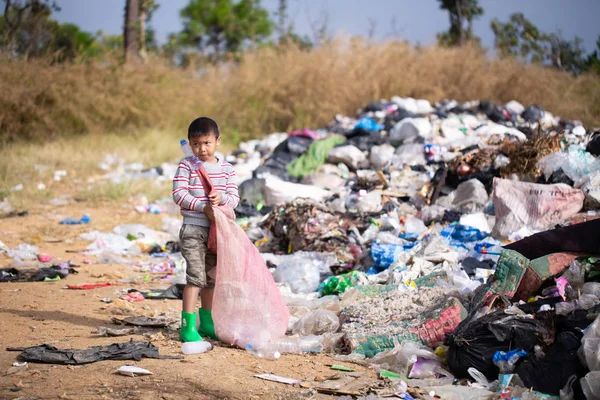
<point>272,89</point>
<point>34,161</point>
<point>70,116</point>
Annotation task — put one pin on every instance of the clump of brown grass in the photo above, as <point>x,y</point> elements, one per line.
<point>525,156</point>
<point>272,89</point>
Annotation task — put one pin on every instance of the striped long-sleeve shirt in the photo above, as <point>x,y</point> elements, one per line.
<point>189,194</point>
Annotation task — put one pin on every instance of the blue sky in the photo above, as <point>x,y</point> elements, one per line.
<point>417,21</point>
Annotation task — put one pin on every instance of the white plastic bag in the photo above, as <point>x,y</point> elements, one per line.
<point>381,155</point>
<point>301,273</point>
<point>278,191</point>
<point>409,127</point>
<point>349,155</point>
<point>531,205</point>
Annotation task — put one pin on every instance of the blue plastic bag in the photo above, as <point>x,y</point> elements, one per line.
<point>368,124</point>
<point>462,234</point>
<point>385,255</point>
<point>85,219</point>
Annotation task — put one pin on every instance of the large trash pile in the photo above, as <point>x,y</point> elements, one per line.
<point>442,243</point>
<point>453,246</point>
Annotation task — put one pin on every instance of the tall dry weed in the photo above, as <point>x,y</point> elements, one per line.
<point>272,89</point>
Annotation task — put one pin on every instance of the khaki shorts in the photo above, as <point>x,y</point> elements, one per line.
<point>200,262</point>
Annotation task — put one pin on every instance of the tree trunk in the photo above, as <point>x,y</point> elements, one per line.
<point>143,51</point>
<point>461,31</point>
<point>131,42</point>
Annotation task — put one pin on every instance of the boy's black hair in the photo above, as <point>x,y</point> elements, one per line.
<point>203,126</point>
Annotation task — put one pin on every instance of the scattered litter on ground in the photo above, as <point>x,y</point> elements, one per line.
<point>280,379</point>
<point>454,248</point>
<point>132,350</point>
<point>130,370</point>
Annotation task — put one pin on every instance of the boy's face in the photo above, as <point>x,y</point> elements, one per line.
<point>204,146</point>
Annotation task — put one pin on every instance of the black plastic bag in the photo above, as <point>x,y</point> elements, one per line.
<point>533,113</point>
<point>475,341</point>
<point>294,145</point>
<point>133,350</point>
<point>276,165</point>
<point>593,146</point>
<point>253,191</point>
<point>579,238</point>
<point>246,209</point>
<point>559,362</point>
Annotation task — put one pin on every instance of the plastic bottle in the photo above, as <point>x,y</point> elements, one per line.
<point>195,347</point>
<point>310,344</point>
<point>267,350</point>
<point>189,154</point>
<point>288,345</point>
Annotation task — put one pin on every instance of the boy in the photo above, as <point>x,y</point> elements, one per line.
<point>197,210</point>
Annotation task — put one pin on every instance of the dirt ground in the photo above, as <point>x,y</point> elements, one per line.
<point>46,312</point>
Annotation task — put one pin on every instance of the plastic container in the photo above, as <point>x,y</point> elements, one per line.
<point>310,344</point>
<point>194,161</point>
<point>268,351</point>
<point>287,345</point>
<point>195,347</point>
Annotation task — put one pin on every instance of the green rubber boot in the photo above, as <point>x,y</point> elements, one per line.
<point>207,326</point>
<point>188,332</point>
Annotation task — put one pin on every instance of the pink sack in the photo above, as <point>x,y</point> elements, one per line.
<point>247,305</point>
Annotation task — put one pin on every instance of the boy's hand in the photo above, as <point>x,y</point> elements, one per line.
<point>215,198</point>
<point>210,213</point>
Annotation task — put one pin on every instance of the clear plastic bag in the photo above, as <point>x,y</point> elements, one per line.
<point>300,272</point>
<point>590,385</point>
<point>589,352</point>
<point>24,251</point>
<point>576,163</point>
<point>317,322</point>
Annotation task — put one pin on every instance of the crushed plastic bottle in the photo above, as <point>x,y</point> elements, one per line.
<point>195,347</point>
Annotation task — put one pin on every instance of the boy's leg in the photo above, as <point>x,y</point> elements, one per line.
<point>207,292</point>
<point>193,249</point>
<point>206,298</point>
<point>207,326</point>
<point>190,298</point>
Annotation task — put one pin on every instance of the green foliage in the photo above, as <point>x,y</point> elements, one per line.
<point>461,13</point>
<point>593,61</point>
<point>70,42</point>
<point>27,30</point>
<point>215,27</point>
<point>520,38</point>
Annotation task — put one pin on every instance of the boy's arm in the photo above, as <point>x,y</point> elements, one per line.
<point>231,196</point>
<point>181,191</point>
